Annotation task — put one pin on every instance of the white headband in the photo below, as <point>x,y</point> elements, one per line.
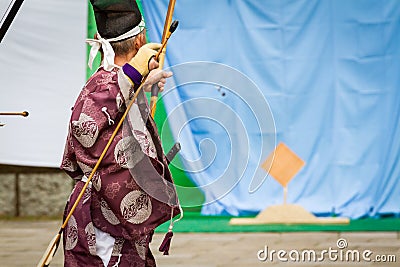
<point>108,52</point>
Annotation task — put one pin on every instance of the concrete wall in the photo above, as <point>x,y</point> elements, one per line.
<point>28,191</point>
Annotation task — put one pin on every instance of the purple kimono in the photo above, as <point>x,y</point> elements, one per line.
<point>131,192</point>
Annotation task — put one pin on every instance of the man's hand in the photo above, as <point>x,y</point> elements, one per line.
<point>158,77</point>
<point>153,64</point>
<point>144,61</point>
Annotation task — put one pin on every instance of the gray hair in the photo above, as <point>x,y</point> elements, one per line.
<point>124,47</point>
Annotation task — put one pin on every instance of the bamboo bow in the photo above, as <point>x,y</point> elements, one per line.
<point>167,23</point>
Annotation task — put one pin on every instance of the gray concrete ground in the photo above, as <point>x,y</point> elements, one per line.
<point>23,243</point>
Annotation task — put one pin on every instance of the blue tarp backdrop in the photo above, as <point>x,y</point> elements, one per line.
<point>330,71</point>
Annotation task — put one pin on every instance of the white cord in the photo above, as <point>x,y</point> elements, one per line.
<point>119,259</point>
<point>110,121</point>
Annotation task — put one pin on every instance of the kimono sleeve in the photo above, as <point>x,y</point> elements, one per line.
<point>69,163</point>
<point>94,119</point>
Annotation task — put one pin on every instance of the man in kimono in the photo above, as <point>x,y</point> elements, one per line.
<point>131,192</point>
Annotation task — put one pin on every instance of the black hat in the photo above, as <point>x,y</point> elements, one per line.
<point>115,17</point>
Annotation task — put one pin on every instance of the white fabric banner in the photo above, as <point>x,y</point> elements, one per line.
<point>42,69</point>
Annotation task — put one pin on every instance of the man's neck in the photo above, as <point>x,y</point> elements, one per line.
<point>122,60</point>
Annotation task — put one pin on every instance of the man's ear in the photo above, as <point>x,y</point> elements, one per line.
<point>140,41</point>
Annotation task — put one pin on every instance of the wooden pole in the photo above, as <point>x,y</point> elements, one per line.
<point>285,195</point>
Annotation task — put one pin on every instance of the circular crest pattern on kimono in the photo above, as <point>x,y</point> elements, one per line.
<point>91,238</point>
<point>87,170</point>
<point>87,194</point>
<point>136,207</point>
<point>108,213</point>
<point>69,165</point>
<point>72,234</point>
<point>141,247</point>
<point>85,130</point>
<point>145,144</point>
<point>96,181</point>
<point>118,244</point>
<point>128,152</point>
